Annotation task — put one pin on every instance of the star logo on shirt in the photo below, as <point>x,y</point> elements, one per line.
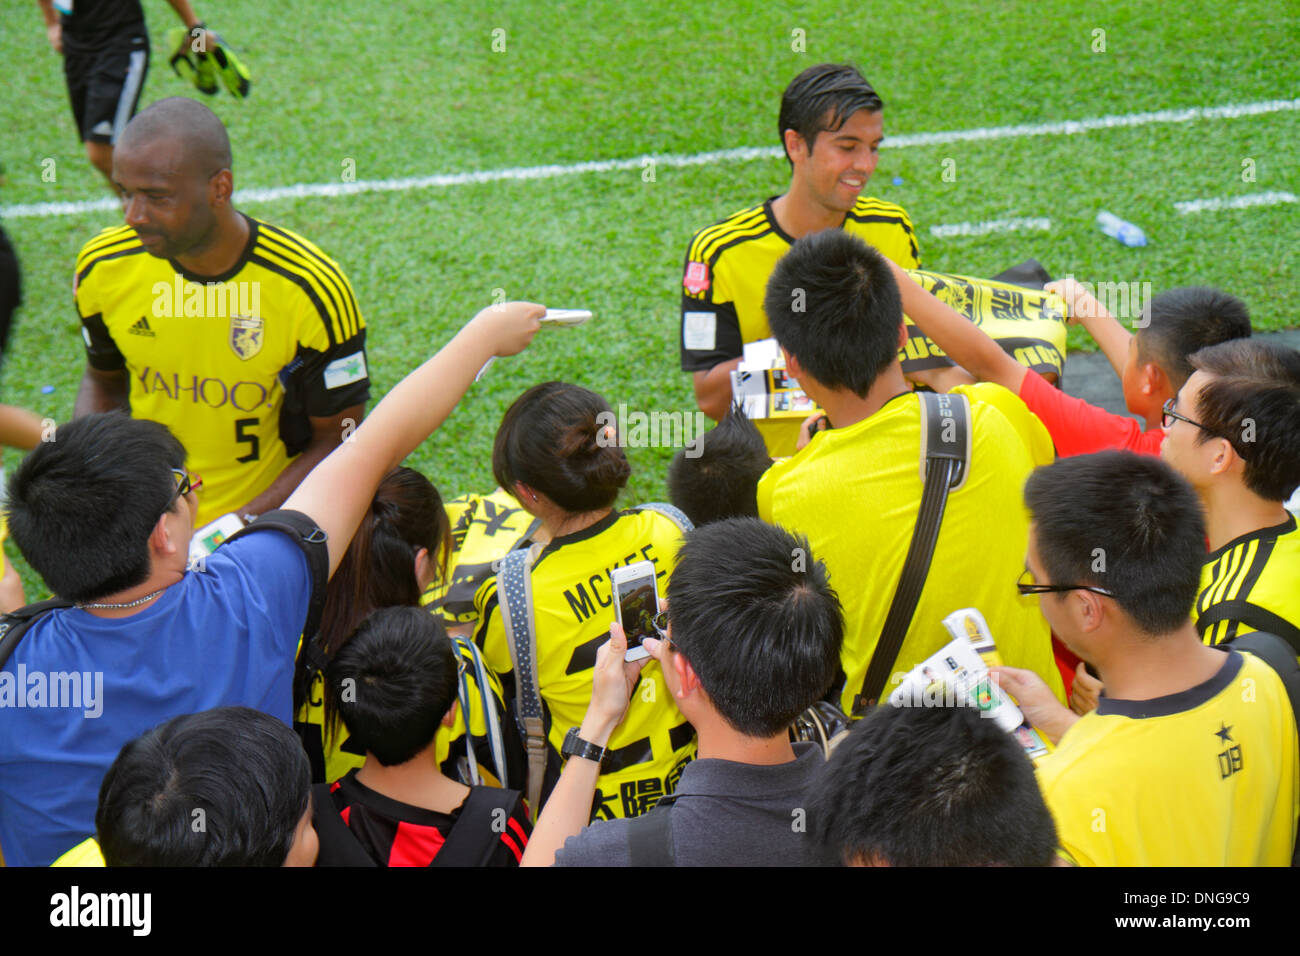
<point>1224,732</point>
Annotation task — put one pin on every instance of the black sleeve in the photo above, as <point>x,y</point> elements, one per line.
<point>101,351</point>
<point>714,325</point>
<point>710,331</point>
<point>321,384</point>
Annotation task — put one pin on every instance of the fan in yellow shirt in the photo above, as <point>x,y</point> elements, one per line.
<point>1190,758</point>
<point>567,470</point>
<point>855,490</point>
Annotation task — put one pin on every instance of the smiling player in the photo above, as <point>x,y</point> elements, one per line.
<point>831,126</point>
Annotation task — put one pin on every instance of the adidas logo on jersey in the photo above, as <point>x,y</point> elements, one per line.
<point>141,328</point>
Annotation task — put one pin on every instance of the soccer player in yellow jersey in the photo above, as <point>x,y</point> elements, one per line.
<point>1234,432</point>
<point>244,339</point>
<point>855,490</point>
<point>1190,758</point>
<point>831,126</point>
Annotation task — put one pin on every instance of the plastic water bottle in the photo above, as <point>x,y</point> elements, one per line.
<point>1118,228</point>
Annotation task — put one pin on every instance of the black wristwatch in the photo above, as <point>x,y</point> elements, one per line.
<point>575,746</point>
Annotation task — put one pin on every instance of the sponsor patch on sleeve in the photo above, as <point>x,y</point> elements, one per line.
<point>346,370</point>
<point>696,279</point>
<point>700,331</point>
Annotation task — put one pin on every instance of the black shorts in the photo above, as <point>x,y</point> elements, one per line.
<point>104,84</point>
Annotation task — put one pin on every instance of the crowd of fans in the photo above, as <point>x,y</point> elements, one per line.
<point>459,686</point>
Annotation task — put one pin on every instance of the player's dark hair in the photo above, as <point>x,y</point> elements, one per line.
<point>932,786</point>
<point>378,568</point>
<point>1124,522</point>
<point>1183,321</point>
<point>393,681</point>
<point>824,97</point>
<point>718,477</point>
<point>559,439</point>
<point>834,305</point>
<point>754,613</point>
<point>83,504</point>
<point>225,787</point>
<point>1253,400</point>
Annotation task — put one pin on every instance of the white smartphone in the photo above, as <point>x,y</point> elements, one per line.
<point>565,317</point>
<point>636,602</point>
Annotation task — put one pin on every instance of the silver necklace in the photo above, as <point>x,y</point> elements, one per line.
<point>128,604</point>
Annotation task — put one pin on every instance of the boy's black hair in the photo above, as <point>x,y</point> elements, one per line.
<point>1253,400</point>
<point>833,304</point>
<point>393,681</point>
<point>1124,522</point>
<point>932,786</point>
<point>719,479</point>
<point>753,612</point>
<point>224,787</point>
<point>1185,320</point>
<point>82,506</point>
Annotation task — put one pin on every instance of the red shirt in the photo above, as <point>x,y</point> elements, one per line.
<point>1078,428</point>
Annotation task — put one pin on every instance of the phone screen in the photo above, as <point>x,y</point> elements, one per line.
<point>637,607</point>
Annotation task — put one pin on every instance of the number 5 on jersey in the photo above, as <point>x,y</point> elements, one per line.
<point>242,426</point>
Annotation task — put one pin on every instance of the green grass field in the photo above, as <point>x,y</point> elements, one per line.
<point>414,88</point>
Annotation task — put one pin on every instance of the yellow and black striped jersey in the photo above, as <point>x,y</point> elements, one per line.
<point>572,611</point>
<point>1205,777</point>
<point>235,365</point>
<point>726,272</point>
<point>483,529</point>
<point>335,754</point>
<point>1252,584</point>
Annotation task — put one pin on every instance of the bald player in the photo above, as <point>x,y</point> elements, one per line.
<point>243,338</point>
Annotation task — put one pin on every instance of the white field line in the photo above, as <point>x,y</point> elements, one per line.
<point>1018,224</point>
<point>740,155</point>
<point>1235,202</point>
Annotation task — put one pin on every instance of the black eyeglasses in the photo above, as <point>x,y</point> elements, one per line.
<point>184,485</point>
<point>1168,416</point>
<point>1032,588</point>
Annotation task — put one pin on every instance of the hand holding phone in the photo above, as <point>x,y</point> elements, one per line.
<point>636,603</point>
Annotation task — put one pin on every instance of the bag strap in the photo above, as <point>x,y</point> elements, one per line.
<point>1254,616</point>
<point>650,836</point>
<point>491,719</point>
<point>945,460</point>
<point>338,844</point>
<point>468,844</point>
<point>674,514</point>
<point>17,622</point>
<point>314,543</point>
<point>515,599</point>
